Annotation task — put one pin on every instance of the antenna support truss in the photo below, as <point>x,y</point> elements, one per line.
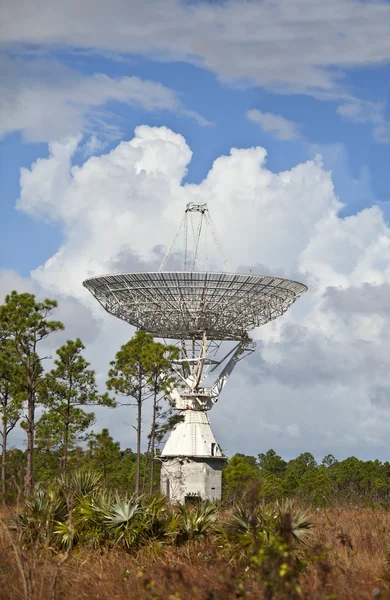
<point>193,230</point>
<point>193,207</point>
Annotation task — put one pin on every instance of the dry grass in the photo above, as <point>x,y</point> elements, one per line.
<point>353,567</point>
<point>357,539</point>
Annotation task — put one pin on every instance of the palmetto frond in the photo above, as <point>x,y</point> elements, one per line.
<point>157,520</point>
<point>85,483</point>
<point>197,521</point>
<point>66,533</point>
<point>123,522</point>
<point>291,523</point>
<point>240,520</point>
<point>172,526</point>
<point>35,522</point>
<point>156,507</point>
<point>249,526</point>
<point>85,511</point>
<point>121,513</point>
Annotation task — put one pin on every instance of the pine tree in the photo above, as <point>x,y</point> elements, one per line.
<point>12,397</point>
<point>25,323</point>
<point>141,369</point>
<point>160,378</point>
<point>69,386</point>
<point>105,453</point>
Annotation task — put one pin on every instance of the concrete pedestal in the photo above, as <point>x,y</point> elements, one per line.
<point>192,461</point>
<point>183,478</point>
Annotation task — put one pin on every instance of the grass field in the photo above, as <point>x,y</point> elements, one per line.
<point>345,557</point>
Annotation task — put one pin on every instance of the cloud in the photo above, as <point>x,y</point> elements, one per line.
<point>300,46</point>
<point>364,111</point>
<point>320,376</point>
<point>360,112</point>
<point>46,101</point>
<point>381,133</point>
<point>93,145</point>
<point>282,128</point>
<point>135,191</point>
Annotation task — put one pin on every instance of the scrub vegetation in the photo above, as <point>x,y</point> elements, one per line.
<point>82,518</point>
<point>76,539</point>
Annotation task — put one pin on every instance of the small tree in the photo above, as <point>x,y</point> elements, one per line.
<point>12,396</point>
<point>238,475</point>
<point>50,429</point>
<point>105,453</point>
<point>25,323</point>
<point>136,373</point>
<point>70,385</point>
<point>160,378</point>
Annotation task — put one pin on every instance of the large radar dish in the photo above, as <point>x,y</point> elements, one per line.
<point>186,305</point>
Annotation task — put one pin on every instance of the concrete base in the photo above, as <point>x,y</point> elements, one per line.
<point>183,478</point>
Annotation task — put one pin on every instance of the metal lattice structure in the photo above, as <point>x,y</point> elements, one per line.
<point>184,305</point>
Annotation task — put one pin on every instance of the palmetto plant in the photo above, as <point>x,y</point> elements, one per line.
<point>76,510</point>
<point>54,515</point>
<point>265,537</point>
<point>243,527</point>
<point>35,523</point>
<point>248,525</point>
<point>86,503</point>
<point>197,521</point>
<point>161,524</point>
<point>81,483</point>
<point>291,523</point>
<point>66,534</point>
<point>242,519</point>
<point>124,522</point>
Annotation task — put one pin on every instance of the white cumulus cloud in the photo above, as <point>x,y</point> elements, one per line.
<point>319,380</point>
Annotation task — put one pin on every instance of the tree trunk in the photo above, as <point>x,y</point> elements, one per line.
<point>146,460</point>
<point>153,442</point>
<point>138,464</point>
<point>64,460</point>
<point>29,479</point>
<point>3,457</point>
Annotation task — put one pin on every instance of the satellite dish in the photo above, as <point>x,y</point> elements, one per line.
<point>201,310</point>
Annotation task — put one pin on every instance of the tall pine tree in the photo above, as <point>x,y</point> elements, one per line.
<point>68,387</point>
<point>12,397</point>
<point>136,373</point>
<point>25,323</point>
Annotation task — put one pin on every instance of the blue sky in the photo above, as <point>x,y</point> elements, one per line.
<point>358,163</point>
<point>300,79</point>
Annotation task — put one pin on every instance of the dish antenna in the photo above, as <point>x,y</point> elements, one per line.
<point>205,312</point>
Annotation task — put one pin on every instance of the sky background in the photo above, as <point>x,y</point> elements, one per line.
<point>114,115</point>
